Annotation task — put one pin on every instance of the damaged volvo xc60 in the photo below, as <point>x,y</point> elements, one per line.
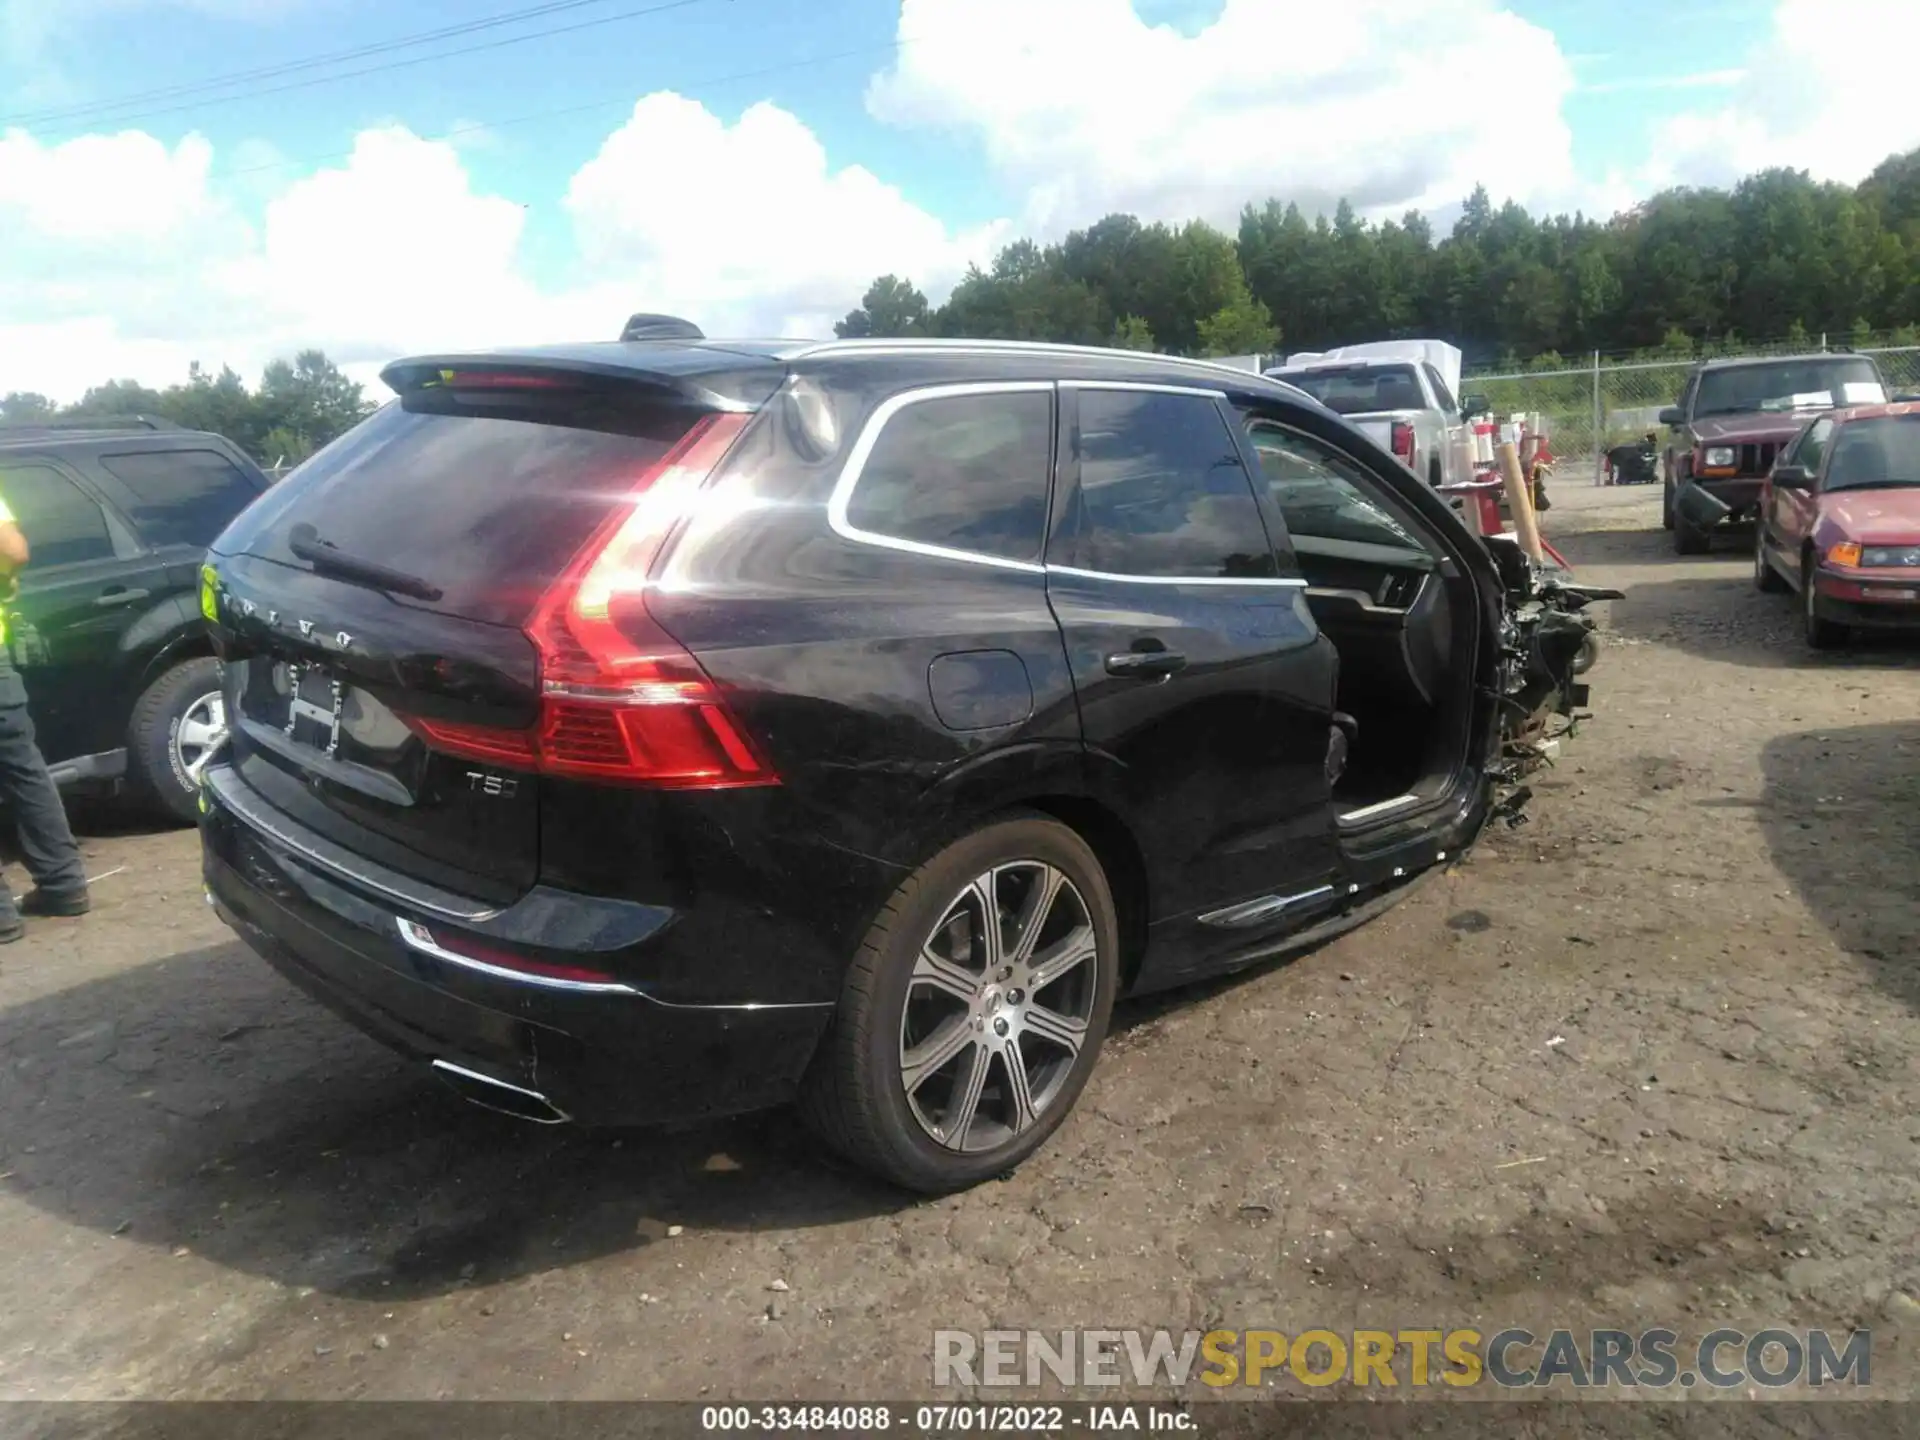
<point>665,728</point>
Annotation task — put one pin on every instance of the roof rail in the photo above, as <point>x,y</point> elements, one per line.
<point>660,327</point>
<point>90,422</point>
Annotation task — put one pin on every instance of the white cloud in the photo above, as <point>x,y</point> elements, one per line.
<point>128,259</point>
<point>1088,108</point>
<point>1826,93</point>
<point>747,226</point>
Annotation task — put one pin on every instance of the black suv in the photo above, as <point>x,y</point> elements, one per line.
<point>107,629</point>
<point>666,728</point>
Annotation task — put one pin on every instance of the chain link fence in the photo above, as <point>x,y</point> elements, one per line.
<point>1606,403</point>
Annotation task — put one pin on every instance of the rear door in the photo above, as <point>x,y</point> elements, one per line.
<point>380,592</point>
<point>179,498</point>
<point>82,588</point>
<point>1205,691</point>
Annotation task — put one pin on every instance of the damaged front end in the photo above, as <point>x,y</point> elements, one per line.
<point>1547,642</point>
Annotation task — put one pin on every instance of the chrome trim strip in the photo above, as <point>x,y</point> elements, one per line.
<point>1272,583</point>
<point>1252,912</point>
<point>895,346</point>
<point>862,451</point>
<point>1365,812</point>
<point>328,856</point>
<point>560,1116</point>
<point>1147,386</point>
<point>418,937</point>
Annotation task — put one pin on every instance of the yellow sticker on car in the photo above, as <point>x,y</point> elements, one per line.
<point>209,592</point>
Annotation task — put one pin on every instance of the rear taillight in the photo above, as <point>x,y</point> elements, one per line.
<point>1403,440</point>
<point>622,700</point>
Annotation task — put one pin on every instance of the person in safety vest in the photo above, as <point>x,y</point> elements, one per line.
<point>26,789</point>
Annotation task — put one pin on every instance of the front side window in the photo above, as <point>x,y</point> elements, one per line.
<point>1813,447</point>
<point>961,472</point>
<point>1163,494</point>
<point>63,525</point>
<point>1318,494</point>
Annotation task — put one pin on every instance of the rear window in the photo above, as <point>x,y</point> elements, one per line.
<point>181,497</point>
<point>962,472</point>
<point>487,502</point>
<point>1361,390</point>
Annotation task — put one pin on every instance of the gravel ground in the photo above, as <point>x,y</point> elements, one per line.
<point>1650,1059</point>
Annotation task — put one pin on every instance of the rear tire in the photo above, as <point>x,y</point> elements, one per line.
<point>1032,995</point>
<point>1822,634</point>
<point>173,722</point>
<point>1766,579</point>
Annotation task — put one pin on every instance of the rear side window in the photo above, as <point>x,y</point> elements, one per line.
<point>181,497</point>
<point>63,525</point>
<point>485,501</point>
<point>1363,389</point>
<point>961,472</point>
<point>1163,494</point>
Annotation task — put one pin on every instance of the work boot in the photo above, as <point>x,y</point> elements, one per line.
<point>54,903</point>
<point>12,930</point>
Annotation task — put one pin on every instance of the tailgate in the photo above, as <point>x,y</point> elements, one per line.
<point>379,596</point>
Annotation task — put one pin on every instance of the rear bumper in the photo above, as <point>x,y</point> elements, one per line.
<point>602,1055</point>
<point>1867,604</point>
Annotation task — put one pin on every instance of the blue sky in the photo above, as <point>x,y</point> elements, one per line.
<point>1001,117</point>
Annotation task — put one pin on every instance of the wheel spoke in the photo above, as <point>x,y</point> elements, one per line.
<point>194,733</point>
<point>935,1051</point>
<point>1060,958</point>
<point>942,974</point>
<point>1020,1112</point>
<point>966,1099</point>
<point>1051,1026</point>
<point>982,890</point>
<point>1034,911</point>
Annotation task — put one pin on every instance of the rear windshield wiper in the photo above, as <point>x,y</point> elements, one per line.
<point>305,542</point>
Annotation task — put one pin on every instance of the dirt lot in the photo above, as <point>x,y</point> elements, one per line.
<point>1651,1059</point>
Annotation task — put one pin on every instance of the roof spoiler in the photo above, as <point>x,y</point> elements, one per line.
<point>660,327</point>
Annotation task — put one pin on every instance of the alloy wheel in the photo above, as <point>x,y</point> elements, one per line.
<point>998,1006</point>
<point>203,725</point>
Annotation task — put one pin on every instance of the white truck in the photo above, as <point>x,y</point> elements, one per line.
<point>1401,393</point>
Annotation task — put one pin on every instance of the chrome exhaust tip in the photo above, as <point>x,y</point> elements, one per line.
<point>491,1094</point>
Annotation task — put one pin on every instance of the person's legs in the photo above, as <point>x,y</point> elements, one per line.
<point>46,840</point>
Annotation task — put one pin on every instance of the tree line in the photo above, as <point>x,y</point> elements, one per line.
<point>1691,270</point>
<point>299,405</point>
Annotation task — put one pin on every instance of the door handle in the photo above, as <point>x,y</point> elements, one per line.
<point>1146,664</point>
<point>119,595</point>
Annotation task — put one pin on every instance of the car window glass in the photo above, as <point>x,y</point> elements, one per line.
<point>1163,492</point>
<point>1318,493</point>
<point>1440,391</point>
<point>1814,447</point>
<point>964,472</point>
<point>1882,452</point>
<point>62,524</point>
<point>181,497</point>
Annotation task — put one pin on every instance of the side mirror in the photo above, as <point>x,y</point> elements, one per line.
<point>1793,477</point>
<point>1474,406</point>
<point>1673,415</point>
